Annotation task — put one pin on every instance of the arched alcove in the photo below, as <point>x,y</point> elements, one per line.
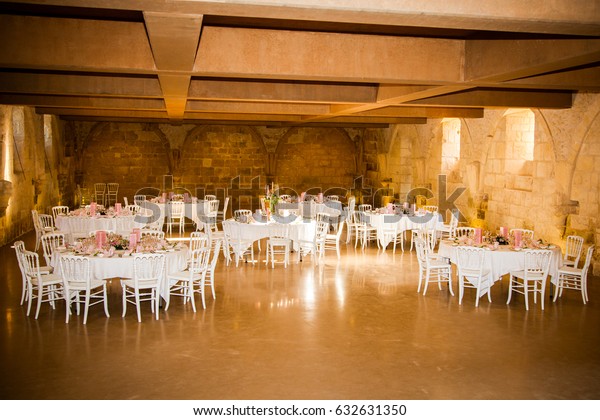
<point>314,160</point>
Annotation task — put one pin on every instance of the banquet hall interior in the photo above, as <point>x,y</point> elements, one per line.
<point>485,114</point>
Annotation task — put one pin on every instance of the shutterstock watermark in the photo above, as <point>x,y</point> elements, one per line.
<point>159,204</point>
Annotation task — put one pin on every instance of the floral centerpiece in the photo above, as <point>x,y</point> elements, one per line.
<point>150,243</point>
<point>117,241</point>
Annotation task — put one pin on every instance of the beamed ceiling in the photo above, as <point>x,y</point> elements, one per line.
<point>295,62</point>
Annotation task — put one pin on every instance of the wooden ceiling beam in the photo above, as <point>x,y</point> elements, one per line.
<point>112,85</point>
<point>82,102</point>
<point>320,56</point>
<point>501,98</point>
<point>74,44</point>
<point>282,91</point>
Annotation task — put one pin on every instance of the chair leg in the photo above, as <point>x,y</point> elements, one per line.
<point>202,286</point>
<point>124,300</point>
<point>156,301</point>
<point>192,297</point>
<point>105,301</point>
<point>137,305</point>
<point>30,292</point>
<point>86,307</point>
<point>510,287</point>
<point>427,274</point>
<point>39,302</point>
<point>557,289</point>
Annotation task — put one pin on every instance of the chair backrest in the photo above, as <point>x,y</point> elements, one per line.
<point>470,260</point>
<point>199,260</point>
<point>469,232</point>
<point>58,210</point>
<point>242,215</point>
<point>99,187</point>
<point>36,220</point>
<point>19,247</point>
<point>332,198</point>
<point>148,269</point>
<point>75,272</point>
<point>209,197</point>
<point>153,232</point>
<point>176,209</point>
<point>453,225</point>
<point>138,198</point>
<point>31,264</point>
<point>324,217</point>
<point>213,207</point>
<point>361,217</point>
<point>430,209</point>
<point>51,241</point>
<point>198,240</point>
<point>537,263</point>
<point>215,248</point>
<point>133,208</point>
<point>46,222</point>
<point>112,187</point>
<point>351,203</point>
<point>526,233</point>
<point>428,237</point>
<point>321,233</point>
<point>365,207</point>
<point>225,205</point>
<point>588,260</point>
<point>422,252</point>
<point>573,248</point>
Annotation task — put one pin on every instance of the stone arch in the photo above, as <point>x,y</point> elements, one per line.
<point>222,157</point>
<point>585,183</point>
<point>123,153</point>
<point>316,160</point>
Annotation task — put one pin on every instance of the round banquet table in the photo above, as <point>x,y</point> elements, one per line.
<point>121,266</point>
<point>82,225</point>
<point>503,260</point>
<point>405,222</point>
<point>299,230</point>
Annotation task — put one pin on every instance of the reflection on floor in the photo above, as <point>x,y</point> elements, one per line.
<point>353,328</point>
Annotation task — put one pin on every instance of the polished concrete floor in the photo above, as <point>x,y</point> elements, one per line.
<point>353,328</point>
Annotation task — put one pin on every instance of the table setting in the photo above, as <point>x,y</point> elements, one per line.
<point>504,253</point>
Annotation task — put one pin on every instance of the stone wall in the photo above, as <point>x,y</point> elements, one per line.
<point>35,172</point>
<point>551,185</point>
<point>555,191</point>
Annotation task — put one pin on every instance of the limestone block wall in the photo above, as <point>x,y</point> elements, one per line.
<point>234,161</point>
<point>316,161</point>
<point>128,154</point>
<point>35,172</point>
<point>543,176</point>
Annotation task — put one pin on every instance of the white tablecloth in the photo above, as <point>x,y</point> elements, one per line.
<point>404,223</point>
<point>85,224</point>
<point>159,211</point>
<point>249,232</point>
<point>309,209</point>
<point>122,267</point>
<point>503,260</point>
